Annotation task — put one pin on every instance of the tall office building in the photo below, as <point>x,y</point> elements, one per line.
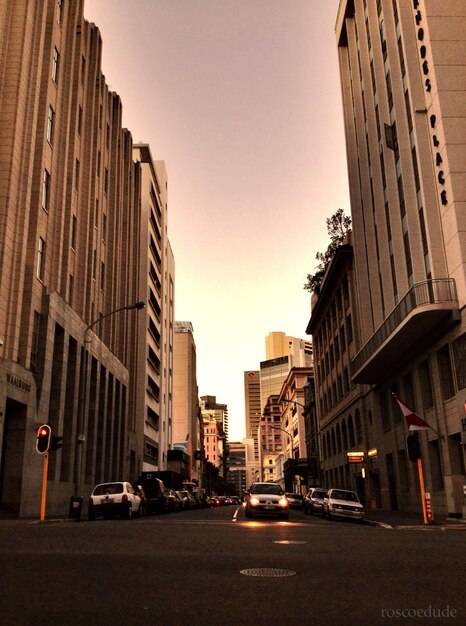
<point>219,412</point>
<point>404,97</point>
<point>252,398</point>
<point>187,428</point>
<point>154,361</point>
<point>69,248</point>
<point>282,353</point>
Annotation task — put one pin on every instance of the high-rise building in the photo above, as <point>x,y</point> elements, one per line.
<point>219,412</point>
<point>154,362</point>
<point>253,412</point>
<point>70,240</point>
<point>236,463</point>
<point>282,353</point>
<point>404,94</point>
<point>187,426</point>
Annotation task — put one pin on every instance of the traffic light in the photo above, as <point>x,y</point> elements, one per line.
<point>57,442</point>
<point>43,438</point>
<point>414,447</point>
<point>197,455</point>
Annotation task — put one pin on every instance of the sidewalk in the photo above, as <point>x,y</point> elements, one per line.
<point>399,519</point>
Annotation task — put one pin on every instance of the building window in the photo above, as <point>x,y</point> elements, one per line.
<point>80,120</point>
<point>459,352</point>
<point>40,259</point>
<point>106,180</point>
<point>104,226</point>
<point>50,125</point>
<point>76,174</point>
<point>425,384</point>
<point>35,341</point>
<point>55,65</point>
<point>445,372</point>
<point>102,275</point>
<point>83,68</point>
<point>74,223</point>
<point>46,190</point>
<point>71,290</point>
<point>60,8</point>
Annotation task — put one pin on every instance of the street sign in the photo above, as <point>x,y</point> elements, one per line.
<point>355,457</point>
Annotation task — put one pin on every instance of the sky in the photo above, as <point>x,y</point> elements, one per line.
<point>241,99</point>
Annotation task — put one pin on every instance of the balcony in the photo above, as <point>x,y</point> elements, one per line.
<point>426,307</point>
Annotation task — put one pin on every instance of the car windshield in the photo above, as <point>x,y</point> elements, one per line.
<point>109,488</point>
<point>350,496</point>
<point>293,495</point>
<point>320,495</point>
<point>270,488</point>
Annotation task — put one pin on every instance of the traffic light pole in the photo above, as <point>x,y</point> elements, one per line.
<point>44,486</point>
<point>423,493</point>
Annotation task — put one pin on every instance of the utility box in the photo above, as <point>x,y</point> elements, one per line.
<point>76,505</point>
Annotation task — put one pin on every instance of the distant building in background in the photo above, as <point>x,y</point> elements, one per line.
<point>399,325</point>
<point>237,466</point>
<point>154,363</point>
<point>213,442</point>
<point>219,412</point>
<point>252,466</point>
<point>282,353</point>
<point>253,412</point>
<point>186,410</point>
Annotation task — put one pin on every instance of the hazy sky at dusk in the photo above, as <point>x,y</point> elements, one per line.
<point>241,99</point>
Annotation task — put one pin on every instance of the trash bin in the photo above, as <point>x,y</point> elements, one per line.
<point>76,505</point>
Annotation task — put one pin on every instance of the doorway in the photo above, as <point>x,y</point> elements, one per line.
<point>11,470</point>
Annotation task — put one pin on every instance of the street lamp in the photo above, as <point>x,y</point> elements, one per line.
<point>83,397</point>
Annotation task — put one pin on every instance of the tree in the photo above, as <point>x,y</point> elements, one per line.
<point>338,226</point>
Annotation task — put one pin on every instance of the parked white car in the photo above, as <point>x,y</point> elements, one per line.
<point>111,499</point>
<point>342,503</point>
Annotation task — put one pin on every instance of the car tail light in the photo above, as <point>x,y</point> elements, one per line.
<point>124,498</point>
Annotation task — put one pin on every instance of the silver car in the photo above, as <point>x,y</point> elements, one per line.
<point>267,499</point>
<point>312,502</point>
<point>342,503</point>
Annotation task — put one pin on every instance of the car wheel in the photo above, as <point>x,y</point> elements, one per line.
<point>248,513</point>
<point>129,512</point>
<point>311,511</point>
<point>91,517</point>
<point>286,517</point>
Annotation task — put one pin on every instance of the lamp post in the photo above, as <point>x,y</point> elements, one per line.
<point>83,396</point>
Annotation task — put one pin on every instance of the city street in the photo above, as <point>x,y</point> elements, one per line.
<point>189,568</point>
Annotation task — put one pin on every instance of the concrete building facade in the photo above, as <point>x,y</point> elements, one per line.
<point>404,95</point>
<point>154,359</point>
<point>69,276</point>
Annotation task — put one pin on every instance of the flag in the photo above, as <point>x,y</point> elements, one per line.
<point>414,421</point>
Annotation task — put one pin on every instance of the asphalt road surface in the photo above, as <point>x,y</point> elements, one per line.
<point>216,567</point>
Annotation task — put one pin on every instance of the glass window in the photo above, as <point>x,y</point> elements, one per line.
<point>40,259</point>
<point>50,125</point>
<point>45,190</point>
<point>445,372</point>
<point>55,65</point>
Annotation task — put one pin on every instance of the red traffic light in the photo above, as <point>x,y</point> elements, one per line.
<point>43,438</point>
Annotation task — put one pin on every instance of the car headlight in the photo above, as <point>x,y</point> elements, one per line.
<point>283,502</point>
<point>253,501</point>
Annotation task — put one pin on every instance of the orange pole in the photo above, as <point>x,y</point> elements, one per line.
<point>423,493</point>
<point>44,486</point>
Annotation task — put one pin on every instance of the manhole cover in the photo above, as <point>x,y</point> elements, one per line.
<point>267,572</point>
<point>287,542</point>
